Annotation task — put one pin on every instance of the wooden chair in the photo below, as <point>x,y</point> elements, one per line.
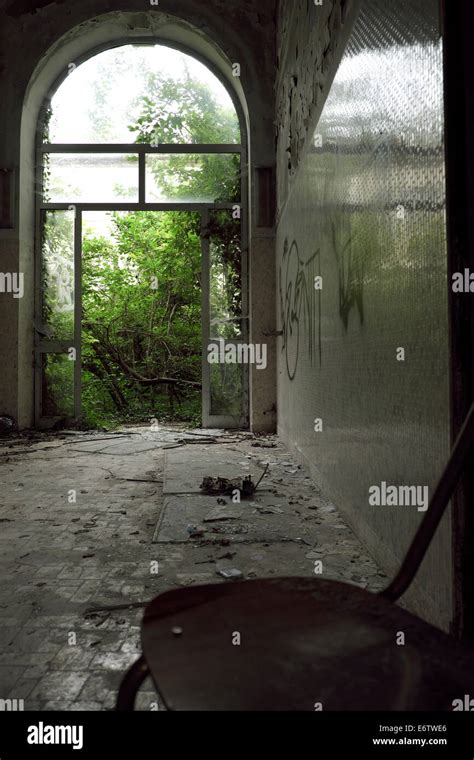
<point>305,643</point>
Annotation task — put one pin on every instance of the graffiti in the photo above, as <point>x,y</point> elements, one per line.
<point>300,306</point>
<point>300,302</point>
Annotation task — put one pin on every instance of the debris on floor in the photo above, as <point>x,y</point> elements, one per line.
<point>195,531</point>
<point>231,573</point>
<point>244,486</point>
<point>7,425</point>
<point>218,514</point>
<point>89,540</point>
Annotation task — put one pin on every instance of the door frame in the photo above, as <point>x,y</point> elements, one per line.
<point>44,346</point>
<point>210,419</point>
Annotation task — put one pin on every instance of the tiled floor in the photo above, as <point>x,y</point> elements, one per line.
<point>77,518</point>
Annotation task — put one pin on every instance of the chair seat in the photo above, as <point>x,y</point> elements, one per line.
<point>305,644</point>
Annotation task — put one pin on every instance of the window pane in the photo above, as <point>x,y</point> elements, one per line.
<point>90,178</point>
<point>193,178</point>
<point>118,95</point>
<point>225,256</point>
<point>58,275</point>
<point>227,390</point>
<point>57,391</point>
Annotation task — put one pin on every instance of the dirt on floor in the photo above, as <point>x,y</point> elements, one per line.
<point>94,525</point>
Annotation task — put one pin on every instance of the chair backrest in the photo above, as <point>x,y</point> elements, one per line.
<point>438,503</point>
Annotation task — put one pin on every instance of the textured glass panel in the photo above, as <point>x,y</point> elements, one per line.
<point>57,391</point>
<point>91,178</point>
<point>193,178</point>
<point>369,352</point>
<point>58,274</point>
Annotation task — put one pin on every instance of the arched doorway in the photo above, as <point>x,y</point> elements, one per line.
<point>183,160</point>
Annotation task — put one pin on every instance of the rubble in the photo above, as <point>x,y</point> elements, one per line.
<point>230,573</point>
<point>195,531</point>
<point>245,486</point>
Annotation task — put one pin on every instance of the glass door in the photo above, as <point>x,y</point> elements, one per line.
<point>225,374</point>
<point>58,318</point>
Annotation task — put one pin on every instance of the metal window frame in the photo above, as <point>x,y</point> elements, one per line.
<point>45,346</point>
<point>142,150</point>
<point>210,419</point>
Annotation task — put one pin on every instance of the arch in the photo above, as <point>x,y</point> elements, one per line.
<point>81,43</point>
<point>113,30</point>
<point>139,57</point>
<point>88,39</point>
<point>235,92</point>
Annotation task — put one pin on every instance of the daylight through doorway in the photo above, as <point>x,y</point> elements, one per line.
<point>142,253</point>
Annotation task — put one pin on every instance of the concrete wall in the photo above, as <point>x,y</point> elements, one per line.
<point>38,40</point>
<point>361,198</point>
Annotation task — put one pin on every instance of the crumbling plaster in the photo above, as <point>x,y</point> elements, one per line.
<point>310,42</point>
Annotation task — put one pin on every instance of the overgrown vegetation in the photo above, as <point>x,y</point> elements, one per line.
<point>141,286</point>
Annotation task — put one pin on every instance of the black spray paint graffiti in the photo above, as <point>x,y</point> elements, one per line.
<point>300,306</point>
<point>300,301</point>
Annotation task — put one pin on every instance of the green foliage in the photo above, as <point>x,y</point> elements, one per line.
<point>58,274</point>
<point>141,305</point>
<point>185,111</point>
<point>141,287</point>
<point>225,253</point>
<point>58,386</point>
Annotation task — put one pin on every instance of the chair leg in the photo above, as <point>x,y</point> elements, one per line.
<point>130,684</point>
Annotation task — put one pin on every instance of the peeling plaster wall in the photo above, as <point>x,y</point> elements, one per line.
<point>38,39</point>
<point>310,41</point>
<point>363,206</point>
